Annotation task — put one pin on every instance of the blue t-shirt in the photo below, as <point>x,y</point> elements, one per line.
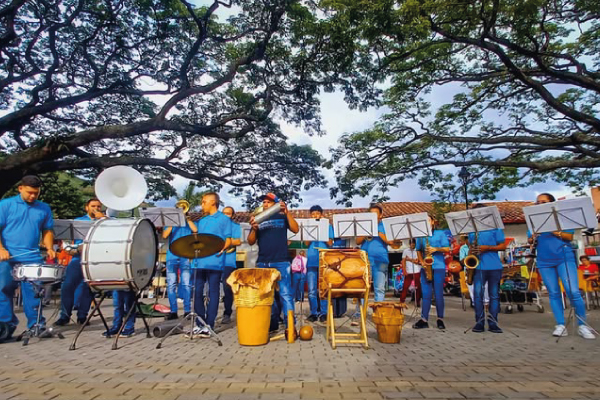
<point>217,224</point>
<point>438,239</point>
<point>376,249</point>
<point>272,239</point>
<point>22,224</point>
<point>312,254</point>
<point>236,233</point>
<point>176,233</point>
<point>489,260</point>
<point>552,251</point>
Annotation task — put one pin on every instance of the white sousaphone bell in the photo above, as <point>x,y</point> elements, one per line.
<point>121,188</point>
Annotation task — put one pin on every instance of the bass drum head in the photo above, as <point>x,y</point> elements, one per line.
<point>143,253</point>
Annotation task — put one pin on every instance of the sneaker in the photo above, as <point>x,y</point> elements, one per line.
<point>62,321</point>
<point>45,333</point>
<point>312,318</point>
<point>171,316</point>
<point>420,324</point>
<point>323,318</point>
<point>226,319</point>
<point>185,314</point>
<point>111,332</point>
<point>494,328</point>
<point>560,330</point>
<point>586,332</point>
<point>478,328</point>
<point>202,332</point>
<point>440,324</point>
<point>128,332</point>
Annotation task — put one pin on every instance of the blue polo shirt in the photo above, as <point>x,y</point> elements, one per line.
<point>176,233</point>
<point>217,224</point>
<point>438,239</point>
<point>552,251</point>
<point>376,249</point>
<point>22,224</point>
<point>489,260</point>
<point>312,254</point>
<point>236,233</point>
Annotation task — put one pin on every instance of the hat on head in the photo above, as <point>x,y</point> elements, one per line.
<point>270,196</point>
<point>31,181</point>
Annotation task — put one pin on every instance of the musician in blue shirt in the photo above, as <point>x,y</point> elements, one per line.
<point>230,265</point>
<point>438,245</point>
<point>318,308</point>
<point>556,259</point>
<point>209,269</point>
<point>23,221</point>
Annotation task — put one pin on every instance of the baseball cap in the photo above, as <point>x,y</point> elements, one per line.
<point>270,196</point>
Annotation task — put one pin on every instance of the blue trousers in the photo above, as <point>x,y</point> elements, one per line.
<point>183,266</point>
<point>298,279</point>
<point>123,300</point>
<point>492,278</point>
<point>429,288</point>
<point>73,285</point>
<point>227,292</point>
<point>567,272</point>
<point>379,272</point>
<point>317,307</point>
<point>213,277</point>
<point>285,290</point>
<point>7,292</point>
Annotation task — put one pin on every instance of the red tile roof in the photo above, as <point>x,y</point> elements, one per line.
<point>511,211</point>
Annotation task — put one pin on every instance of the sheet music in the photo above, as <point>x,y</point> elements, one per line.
<point>407,226</point>
<point>311,230</point>
<point>70,229</point>
<point>483,219</point>
<point>357,224</point>
<point>561,215</point>
<point>164,216</point>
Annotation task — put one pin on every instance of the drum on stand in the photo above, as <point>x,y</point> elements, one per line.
<point>119,254</point>
<point>43,273</point>
<point>343,269</point>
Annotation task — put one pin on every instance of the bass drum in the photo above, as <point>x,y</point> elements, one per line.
<point>119,254</point>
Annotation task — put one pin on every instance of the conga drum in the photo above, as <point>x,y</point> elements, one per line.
<point>343,269</point>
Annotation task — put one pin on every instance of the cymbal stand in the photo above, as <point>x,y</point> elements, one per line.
<point>36,330</point>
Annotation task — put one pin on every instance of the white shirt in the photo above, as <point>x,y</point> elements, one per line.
<point>411,268</point>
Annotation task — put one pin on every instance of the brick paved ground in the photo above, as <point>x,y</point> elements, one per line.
<point>427,364</point>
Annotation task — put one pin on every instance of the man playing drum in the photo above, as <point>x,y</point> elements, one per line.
<point>271,236</point>
<point>23,219</point>
<point>74,282</point>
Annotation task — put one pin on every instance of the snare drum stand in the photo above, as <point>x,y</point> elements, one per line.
<point>37,329</point>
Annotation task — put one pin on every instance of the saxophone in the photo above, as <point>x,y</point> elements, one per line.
<point>472,261</point>
<point>428,262</point>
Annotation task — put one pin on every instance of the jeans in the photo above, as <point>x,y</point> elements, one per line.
<point>567,272</point>
<point>123,300</point>
<point>298,279</point>
<point>7,291</point>
<point>213,277</point>
<point>408,279</point>
<point>183,266</point>
<point>227,292</point>
<point>73,285</point>
<point>312,277</point>
<point>285,290</point>
<point>379,270</point>
<point>491,278</point>
<point>428,288</point>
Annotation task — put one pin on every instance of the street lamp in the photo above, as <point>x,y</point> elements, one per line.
<point>464,175</point>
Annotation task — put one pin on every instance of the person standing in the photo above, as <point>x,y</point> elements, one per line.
<point>178,267</point>
<point>412,271</point>
<point>23,221</point>
<point>299,275</point>
<point>271,236</point>
<point>230,265</point>
<point>209,269</point>
<point>556,259</point>
<point>73,282</point>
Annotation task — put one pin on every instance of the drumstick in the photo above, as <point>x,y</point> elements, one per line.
<point>22,254</point>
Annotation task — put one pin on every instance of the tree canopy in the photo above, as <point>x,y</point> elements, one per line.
<point>520,86</point>
<point>161,85</point>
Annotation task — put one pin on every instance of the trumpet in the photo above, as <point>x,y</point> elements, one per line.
<point>472,261</point>
<point>184,205</point>
<point>428,262</point>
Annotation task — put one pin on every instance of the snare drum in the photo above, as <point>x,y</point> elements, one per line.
<point>119,254</point>
<point>344,269</point>
<point>38,272</point>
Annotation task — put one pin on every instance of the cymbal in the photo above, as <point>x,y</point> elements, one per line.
<point>197,245</point>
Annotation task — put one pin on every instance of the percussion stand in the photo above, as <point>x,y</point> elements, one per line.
<point>192,316</point>
<point>136,307</point>
<point>36,330</point>
<point>90,316</point>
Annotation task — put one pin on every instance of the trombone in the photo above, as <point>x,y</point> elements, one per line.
<point>184,205</point>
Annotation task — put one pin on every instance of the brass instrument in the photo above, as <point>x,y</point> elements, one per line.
<point>184,205</point>
<point>428,262</point>
<point>472,261</point>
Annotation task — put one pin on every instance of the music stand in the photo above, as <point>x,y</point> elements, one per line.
<point>70,229</point>
<point>559,216</point>
<point>164,216</point>
<point>408,227</point>
<point>245,228</point>
<point>311,230</point>
<point>355,225</point>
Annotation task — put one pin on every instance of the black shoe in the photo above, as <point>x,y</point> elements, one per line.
<point>111,332</point>
<point>312,318</point>
<point>226,319</point>
<point>440,324</point>
<point>171,316</point>
<point>81,321</point>
<point>62,321</point>
<point>478,328</point>
<point>494,328</point>
<point>185,314</point>
<point>420,324</point>
<point>323,318</point>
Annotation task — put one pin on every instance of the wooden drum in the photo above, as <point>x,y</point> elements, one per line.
<point>344,269</point>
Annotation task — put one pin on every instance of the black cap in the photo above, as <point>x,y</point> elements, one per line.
<point>31,181</point>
